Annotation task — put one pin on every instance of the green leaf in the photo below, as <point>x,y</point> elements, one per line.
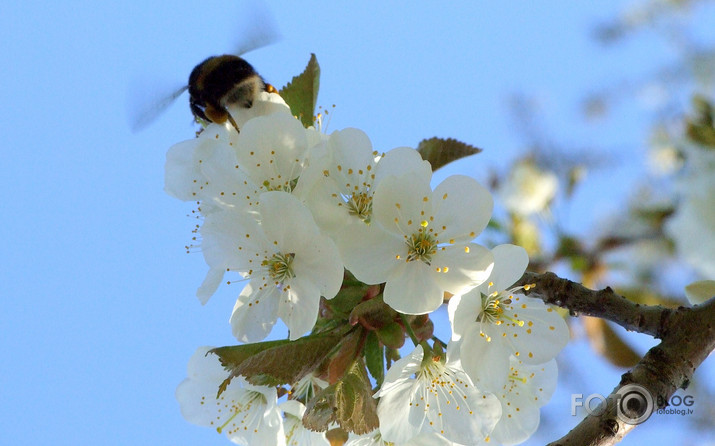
<point>320,411</point>
<point>340,362</point>
<point>276,362</point>
<point>363,418</point>
<point>440,152</point>
<point>348,402</point>
<point>301,93</point>
<point>375,358</point>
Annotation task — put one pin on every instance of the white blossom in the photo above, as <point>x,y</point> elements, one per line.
<point>272,151</point>
<point>342,188</point>
<point>693,225</point>
<point>205,169</point>
<point>528,189</point>
<point>289,264</point>
<point>494,322</point>
<point>247,414</point>
<point>429,249</point>
<point>425,395</point>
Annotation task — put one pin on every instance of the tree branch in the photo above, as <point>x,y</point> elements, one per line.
<point>687,334</point>
<point>605,303</point>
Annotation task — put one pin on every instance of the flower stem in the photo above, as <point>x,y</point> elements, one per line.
<point>408,329</point>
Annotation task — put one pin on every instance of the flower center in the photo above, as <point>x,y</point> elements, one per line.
<point>286,186</point>
<point>493,307</point>
<point>279,266</point>
<point>496,307</point>
<point>360,205</point>
<point>421,246</point>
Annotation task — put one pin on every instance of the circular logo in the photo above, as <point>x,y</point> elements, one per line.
<point>635,404</point>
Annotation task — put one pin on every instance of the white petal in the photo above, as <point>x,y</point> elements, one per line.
<point>205,366</point>
<point>352,150</point>
<point>318,261</point>
<point>542,381</point>
<point>286,222</point>
<point>394,409</point>
<point>462,266</point>
<point>401,370</point>
<point>184,176</point>
<point>401,204</point>
<point>401,161</point>
<point>486,362</point>
<point>399,422</point>
<point>271,149</point>
<point>463,207</point>
<point>412,289</point>
<point>463,311</point>
<point>543,335</point>
<point>255,312</point>
<point>180,170</point>
<point>370,252</point>
<point>520,419</point>
<point>230,240</point>
<point>210,284</point>
<point>510,262</point>
<point>298,306</point>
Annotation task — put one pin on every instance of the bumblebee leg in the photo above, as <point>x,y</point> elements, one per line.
<point>233,122</point>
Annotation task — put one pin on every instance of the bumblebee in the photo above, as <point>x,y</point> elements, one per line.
<point>220,81</point>
<point>216,83</point>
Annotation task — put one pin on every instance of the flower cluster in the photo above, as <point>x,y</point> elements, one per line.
<point>295,215</point>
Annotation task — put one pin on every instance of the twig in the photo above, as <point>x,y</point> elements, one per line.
<point>687,334</point>
<point>605,303</point>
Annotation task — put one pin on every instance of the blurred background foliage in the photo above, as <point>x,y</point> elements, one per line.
<point>664,236</point>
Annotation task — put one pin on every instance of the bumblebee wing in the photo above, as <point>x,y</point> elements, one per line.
<point>145,104</point>
<point>257,28</point>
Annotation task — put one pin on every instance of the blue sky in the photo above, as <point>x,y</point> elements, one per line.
<point>98,307</point>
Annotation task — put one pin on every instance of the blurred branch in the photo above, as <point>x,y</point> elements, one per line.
<point>687,334</point>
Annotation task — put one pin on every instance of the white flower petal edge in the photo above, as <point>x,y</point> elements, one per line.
<point>184,174</point>
<point>247,414</point>
<point>439,399</point>
<point>528,388</point>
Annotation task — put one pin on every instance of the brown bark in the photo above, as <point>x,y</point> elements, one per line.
<point>687,337</point>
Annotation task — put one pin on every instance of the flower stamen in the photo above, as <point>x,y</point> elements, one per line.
<point>421,246</point>
<point>279,266</point>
